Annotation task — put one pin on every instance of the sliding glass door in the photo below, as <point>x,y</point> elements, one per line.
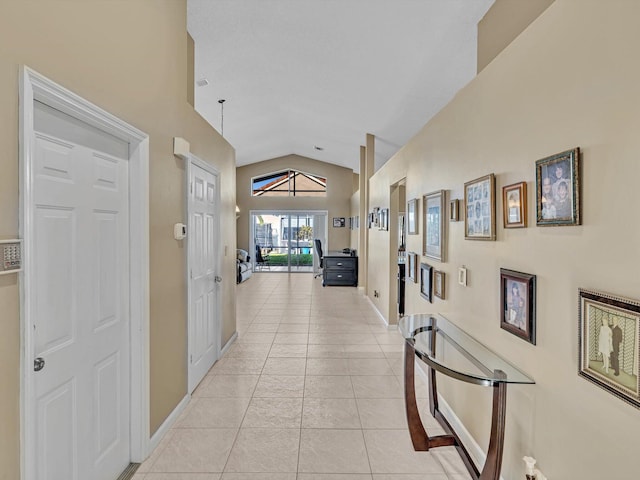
<point>284,241</point>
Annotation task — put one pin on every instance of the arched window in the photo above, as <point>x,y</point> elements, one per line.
<point>289,183</point>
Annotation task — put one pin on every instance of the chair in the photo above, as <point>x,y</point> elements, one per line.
<point>318,249</point>
<point>262,261</point>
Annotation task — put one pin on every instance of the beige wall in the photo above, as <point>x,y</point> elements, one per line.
<point>129,58</point>
<point>339,191</point>
<point>569,80</point>
<point>505,20</point>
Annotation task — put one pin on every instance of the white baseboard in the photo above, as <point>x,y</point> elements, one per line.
<point>227,345</point>
<point>477,454</point>
<point>168,423</point>
<point>380,315</point>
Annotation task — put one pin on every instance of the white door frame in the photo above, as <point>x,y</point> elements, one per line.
<point>34,86</point>
<point>190,160</point>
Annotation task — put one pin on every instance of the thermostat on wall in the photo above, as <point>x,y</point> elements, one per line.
<point>10,256</point>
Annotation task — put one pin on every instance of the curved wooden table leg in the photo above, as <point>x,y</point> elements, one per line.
<point>419,436</point>
<point>493,463</point>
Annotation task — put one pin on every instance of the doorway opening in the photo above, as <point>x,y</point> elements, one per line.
<point>283,241</point>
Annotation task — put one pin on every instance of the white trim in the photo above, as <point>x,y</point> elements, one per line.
<point>168,423</point>
<point>375,309</point>
<point>191,160</point>
<point>228,345</point>
<point>475,451</point>
<point>34,86</point>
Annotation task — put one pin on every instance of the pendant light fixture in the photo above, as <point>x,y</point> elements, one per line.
<point>221,102</point>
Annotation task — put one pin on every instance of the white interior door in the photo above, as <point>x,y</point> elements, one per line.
<point>80,301</point>
<point>203,267</point>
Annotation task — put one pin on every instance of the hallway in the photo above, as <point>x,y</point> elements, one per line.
<point>310,390</point>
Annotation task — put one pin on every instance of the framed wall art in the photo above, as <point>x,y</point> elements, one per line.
<point>438,284</point>
<point>412,217</point>
<point>514,205</point>
<point>434,238</point>
<point>412,266</point>
<point>558,189</point>
<point>480,208</point>
<point>518,300</point>
<point>609,339</point>
<point>426,290</point>
<point>383,219</point>
<point>339,222</point>
<point>454,210</point>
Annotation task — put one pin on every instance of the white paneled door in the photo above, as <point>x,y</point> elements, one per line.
<point>80,305</point>
<point>203,264</point>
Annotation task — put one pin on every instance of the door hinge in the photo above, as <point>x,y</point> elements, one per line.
<point>190,358</point>
<point>191,188</point>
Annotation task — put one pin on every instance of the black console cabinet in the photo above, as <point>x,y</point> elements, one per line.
<point>340,270</point>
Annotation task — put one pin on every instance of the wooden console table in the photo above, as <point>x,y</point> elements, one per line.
<point>445,348</point>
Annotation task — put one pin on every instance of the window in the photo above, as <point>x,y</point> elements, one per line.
<point>289,183</point>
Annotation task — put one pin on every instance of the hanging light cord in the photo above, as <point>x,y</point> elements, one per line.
<point>221,102</point>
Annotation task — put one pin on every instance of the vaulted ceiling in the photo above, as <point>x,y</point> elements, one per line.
<point>301,74</point>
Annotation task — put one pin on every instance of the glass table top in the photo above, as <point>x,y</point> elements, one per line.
<point>447,348</point>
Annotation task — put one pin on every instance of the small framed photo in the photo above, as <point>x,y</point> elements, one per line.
<point>426,290</point>
<point>412,266</point>
<point>480,208</point>
<point>438,284</point>
<point>454,210</point>
<point>339,222</point>
<point>412,217</point>
<point>518,300</point>
<point>609,343</point>
<point>383,221</point>
<point>350,223</point>
<point>434,238</point>
<point>558,189</point>
<point>514,205</point>
<point>357,221</point>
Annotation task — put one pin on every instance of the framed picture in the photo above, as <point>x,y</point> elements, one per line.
<point>434,238</point>
<point>480,208</point>
<point>438,284</point>
<point>454,210</point>
<point>425,282</point>
<point>558,189</point>
<point>339,222</point>
<point>376,216</point>
<point>383,222</point>
<point>357,221</point>
<point>514,205</point>
<point>412,266</point>
<point>609,343</point>
<point>518,300</point>
<point>412,217</point>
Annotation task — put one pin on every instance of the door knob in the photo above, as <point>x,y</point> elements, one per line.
<point>38,364</point>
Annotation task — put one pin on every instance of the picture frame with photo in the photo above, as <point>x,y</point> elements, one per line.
<point>558,199</point>
<point>383,222</point>
<point>339,222</point>
<point>412,266</point>
<point>480,208</point>
<point>434,230</point>
<point>514,205</point>
<point>518,301</point>
<point>412,217</point>
<point>426,287</point>
<point>454,210</point>
<point>439,284</point>
<point>609,343</point>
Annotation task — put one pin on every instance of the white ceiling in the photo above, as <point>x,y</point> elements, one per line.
<point>302,73</point>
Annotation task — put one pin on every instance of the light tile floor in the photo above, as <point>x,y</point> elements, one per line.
<point>310,390</point>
